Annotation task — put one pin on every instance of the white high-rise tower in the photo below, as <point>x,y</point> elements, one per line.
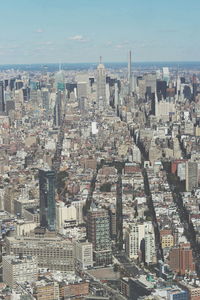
<point>116,99</point>
<point>101,85</point>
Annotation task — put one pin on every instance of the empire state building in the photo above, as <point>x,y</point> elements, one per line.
<point>101,85</point>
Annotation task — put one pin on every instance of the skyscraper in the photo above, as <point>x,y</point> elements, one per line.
<point>129,74</point>
<point>119,215</point>
<point>150,251</point>
<point>116,97</point>
<point>135,233</point>
<point>60,80</point>
<point>57,109</point>
<point>26,94</point>
<point>191,175</point>
<point>140,241</point>
<point>194,86</point>
<point>2,102</point>
<point>98,232</point>
<point>45,98</point>
<point>47,199</point>
<point>166,74</point>
<point>101,85</point>
<point>113,221</point>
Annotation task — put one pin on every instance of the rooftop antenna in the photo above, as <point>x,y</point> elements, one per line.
<point>129,72</point>
<point>60,68</point>
<point>100,59</point>
<point>177,71</point>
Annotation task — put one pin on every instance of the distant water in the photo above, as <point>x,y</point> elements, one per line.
<point>53,67</point>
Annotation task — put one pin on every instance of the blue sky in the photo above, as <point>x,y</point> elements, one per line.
<point>42,31</point>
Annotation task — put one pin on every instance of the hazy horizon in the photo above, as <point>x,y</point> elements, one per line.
<point>54,67</point>
<point>48,31</point>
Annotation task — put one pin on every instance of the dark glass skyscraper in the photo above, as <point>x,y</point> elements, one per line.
<point>47,199</point>
<point>45,99</point>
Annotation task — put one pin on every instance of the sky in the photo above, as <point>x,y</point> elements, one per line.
<point>73,31</point>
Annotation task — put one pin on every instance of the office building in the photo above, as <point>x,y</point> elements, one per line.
<point>57,109</point>
<point>53,253</point>
<point>47,199</point>
<point>167,239</point>
<point>45,99</point>
<point>83,252</point>
<point>166,74</point>
<point>66,216</point>
<point>18,269</point>
<point>191,175</point>
<point>161,89</point>
<point>98,232</point>
<point>2,101</point>
<point>74,290</point>
<point>140,242</point>
<point>116,95</point>
<point>150,249</point>
<point>119,216</point>
<point>82,89</point>
<point>101,85</point>
<point>12,83</point>
<point>125,290</point>
<point>129,74</point>
<point>192,289</point>
<point>133,240</point>
<point>164,108</point>
<point>177,294</point>
<point>46,290</point>
<point>9,105</point>
<point>113,222</point>
<point>18,84</point>
<point>150,82</point>
<point>26,94</point>
<point>181,259</point>
<point>60,80</point>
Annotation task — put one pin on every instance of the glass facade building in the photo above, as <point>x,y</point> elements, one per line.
<point>47,199</point>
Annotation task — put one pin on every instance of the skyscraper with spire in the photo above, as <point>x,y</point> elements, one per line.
<point>101,85</point>
<point>129,73</point>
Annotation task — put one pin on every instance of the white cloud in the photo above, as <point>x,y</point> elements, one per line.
<point>47,43</point>
<point>39,49</point>
<point>39,30</point>
<point>78,38</point>
<point>109,44</point>
<point>120,46</point>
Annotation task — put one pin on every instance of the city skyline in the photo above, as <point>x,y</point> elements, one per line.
<point>100,181</point>
<point>99,150</point>
<point>53,31</point>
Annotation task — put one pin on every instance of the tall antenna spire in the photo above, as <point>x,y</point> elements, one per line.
<point>129,72</point>
<point>129,64</point>
<point>100,59</point>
